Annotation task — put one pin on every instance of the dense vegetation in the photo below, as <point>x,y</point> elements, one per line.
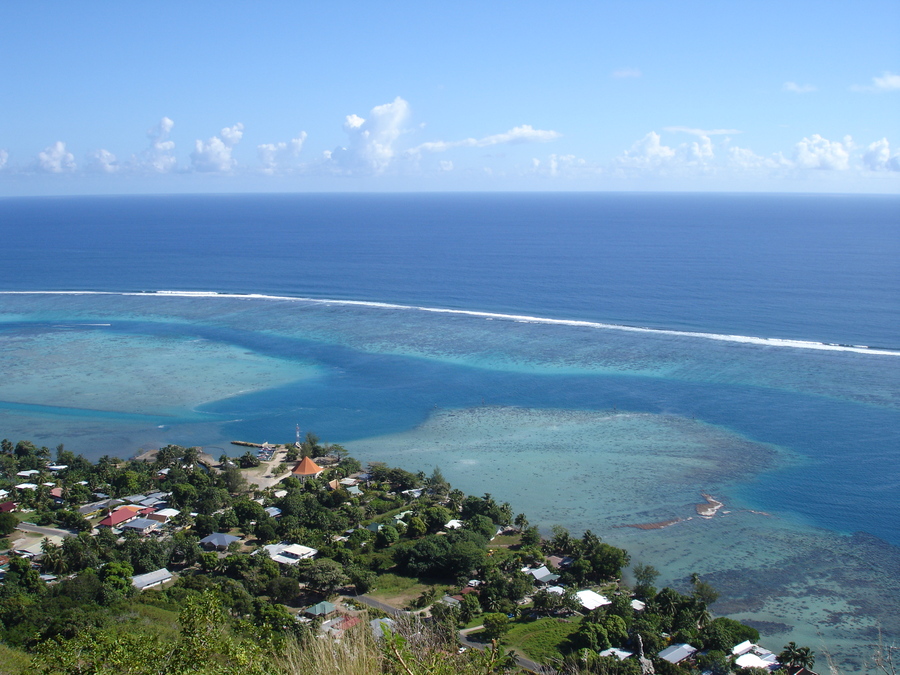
<point>237,612</point>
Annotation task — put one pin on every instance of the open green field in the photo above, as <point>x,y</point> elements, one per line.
<point>540,640</point>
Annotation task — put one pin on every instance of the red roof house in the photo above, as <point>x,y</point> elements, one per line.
<point>307,468</point>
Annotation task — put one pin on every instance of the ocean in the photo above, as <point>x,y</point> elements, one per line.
<point>600,361</point>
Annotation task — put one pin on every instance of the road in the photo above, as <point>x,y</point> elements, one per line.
<point>46,531</point>
<point>521,661</point>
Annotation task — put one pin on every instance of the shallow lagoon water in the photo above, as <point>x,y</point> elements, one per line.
<point>591,429</point>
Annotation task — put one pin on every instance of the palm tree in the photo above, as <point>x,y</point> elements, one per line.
<point>788,656</point>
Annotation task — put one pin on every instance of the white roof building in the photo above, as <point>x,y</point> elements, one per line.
<point>591,600</point>
<point>151,579</point>
<point>289,554</point>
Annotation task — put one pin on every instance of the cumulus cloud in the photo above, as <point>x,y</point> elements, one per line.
<point>888,81</point>
<point>798,88</point>
<point>372,140</point>
<point>702,132</point>
<point>646,153</point>
<point>522,134</point>
<point>55,159</point>
<point>276,157</point>
<point>817,152</point>
<point>158,156</point>
<point>878,157</point>
<point>215,154</point>
<point>446,165</point>
<point>626,72</point>
<point>4,156</point>
<point>103,161</point>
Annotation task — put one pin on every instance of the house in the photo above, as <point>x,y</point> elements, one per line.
<point>6,507</point>
<point>541,575</point>
<point>164,515</point>
<point>379,626</point>
<point>288,554</point>
<point>620,654</point>
<point>58,467</point>
<point>134,499</point>
<point>120,516</point>
<point>454,524</point>
<point>218,541</point>
<point>340,624</point>
<point>26,486</point>
<point>142,526</point>
<point>354,491</point>
<point>349,482</point>
<point>638,605</point>
<point>273,512</point>
<point>591,600</point>
<point>151,579</point>
<point>57,494</point>
<point>28,473</point>
<point>307,468</point>
<point>677,653</point>
<point>322,609</point>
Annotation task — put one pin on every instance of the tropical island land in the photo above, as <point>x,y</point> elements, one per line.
<point>296,558</point>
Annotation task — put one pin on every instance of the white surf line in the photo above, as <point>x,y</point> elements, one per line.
<point>523,318</point>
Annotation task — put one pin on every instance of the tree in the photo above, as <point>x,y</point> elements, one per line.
<point>387,536</point>
<point>531,537</point>
<point>325,575</point>
<point>644,575</point>
<point>282,589</point>
<point>416,528</point>
<point>495,625</point>
<point>793,656</point>
<point>8,523</point>
<point>703,591</point>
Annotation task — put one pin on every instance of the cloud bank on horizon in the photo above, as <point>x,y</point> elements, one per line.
<point>374,147</point>
<point>288,106</point>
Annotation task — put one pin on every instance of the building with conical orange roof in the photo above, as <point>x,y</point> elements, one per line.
<point>307,468</point>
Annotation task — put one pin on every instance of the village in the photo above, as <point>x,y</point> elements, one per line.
<point>301,540</point>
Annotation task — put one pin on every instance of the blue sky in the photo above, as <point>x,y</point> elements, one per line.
<point>287,96</point>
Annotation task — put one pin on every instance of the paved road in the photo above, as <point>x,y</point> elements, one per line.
<point>522,662</point>
<point>46,531</point>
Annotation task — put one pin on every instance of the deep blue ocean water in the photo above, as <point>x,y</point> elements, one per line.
<point>343,338</point>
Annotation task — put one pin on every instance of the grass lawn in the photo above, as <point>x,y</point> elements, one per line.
<point>540,640</point>
<point>505,541</point>
<point>397,591</point>
<point>147,619</point>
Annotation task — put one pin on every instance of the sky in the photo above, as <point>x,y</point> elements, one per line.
<point>165,97</point>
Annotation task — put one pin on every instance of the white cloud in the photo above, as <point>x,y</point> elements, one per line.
<point>647,153</point>
<point>888,81</point>
<point>702,132</point>
<point>446,165</point>
<point>4,155</point>
<point>745,158</point>
<point>103,161</point>
<point>158,156</point>
<point>878,157</point>
<point>626,72</point>
<point>371,146</point>
<point>522,134</point>
<point>215,154</point>
<point>276,157</point>
<point>55,159</point>
<point>817,152</point>
<point>798,88</point>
